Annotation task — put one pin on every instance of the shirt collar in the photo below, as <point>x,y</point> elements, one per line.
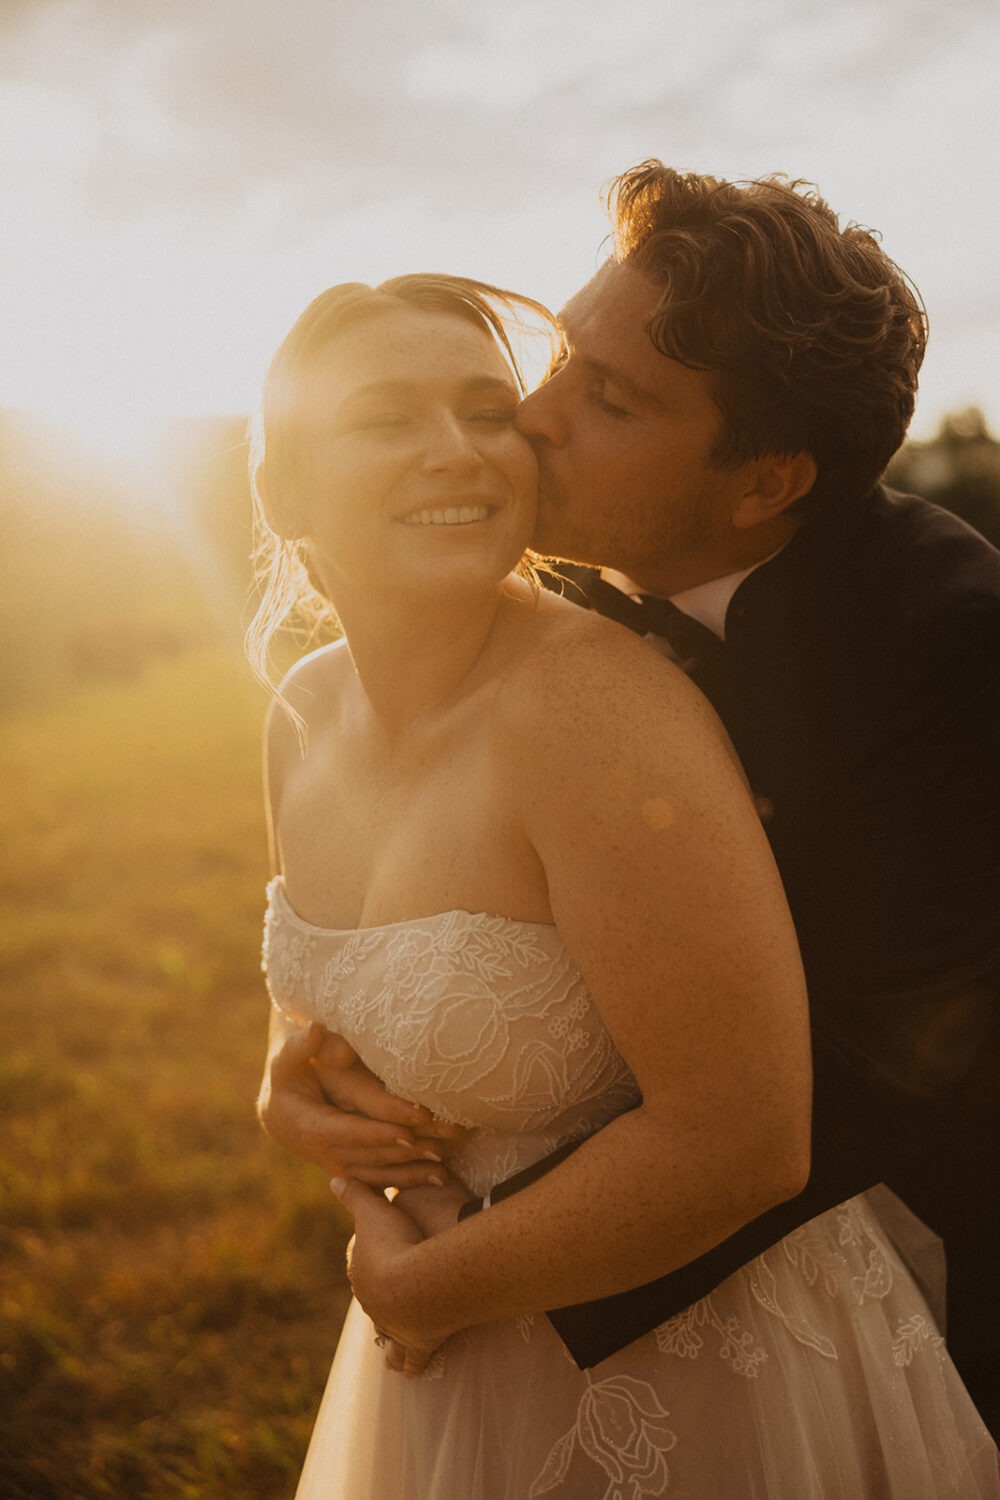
<point>708,603</point>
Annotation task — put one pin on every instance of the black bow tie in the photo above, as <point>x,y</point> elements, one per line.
<point>689,638</point>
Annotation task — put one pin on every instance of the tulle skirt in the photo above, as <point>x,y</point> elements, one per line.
<point>817,1372</point>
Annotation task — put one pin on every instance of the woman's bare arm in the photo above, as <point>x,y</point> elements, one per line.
<point>664,890</point>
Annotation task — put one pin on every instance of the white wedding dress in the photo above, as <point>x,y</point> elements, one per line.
<point>817,1372</point>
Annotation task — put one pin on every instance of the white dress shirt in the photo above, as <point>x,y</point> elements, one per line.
<point>708,603</point>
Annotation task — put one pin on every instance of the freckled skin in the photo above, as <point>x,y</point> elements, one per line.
<point>464,713</point>
<point>658,813</point>
<point>669,902</point>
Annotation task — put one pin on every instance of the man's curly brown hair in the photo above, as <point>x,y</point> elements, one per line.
<point>813,336</point>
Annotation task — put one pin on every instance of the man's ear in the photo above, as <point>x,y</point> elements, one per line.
<point>775,483</point>
<point>280,517</point>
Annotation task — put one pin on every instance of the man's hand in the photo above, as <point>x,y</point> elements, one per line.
<point>321,1103</point>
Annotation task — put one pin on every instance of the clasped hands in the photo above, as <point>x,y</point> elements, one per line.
<point>319,1101</point>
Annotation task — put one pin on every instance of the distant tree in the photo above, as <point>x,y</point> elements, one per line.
<point>958,469</point>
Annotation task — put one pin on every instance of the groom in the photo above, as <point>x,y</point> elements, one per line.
<point>849,639</point>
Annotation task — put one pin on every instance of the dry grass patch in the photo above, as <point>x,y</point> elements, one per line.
<point>171,1287</point>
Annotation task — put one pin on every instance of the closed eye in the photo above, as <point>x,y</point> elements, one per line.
<point>382,419</point>
<point>494,414</point>
<point>599,398</point>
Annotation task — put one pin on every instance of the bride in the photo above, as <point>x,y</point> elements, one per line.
<point>519,870</point>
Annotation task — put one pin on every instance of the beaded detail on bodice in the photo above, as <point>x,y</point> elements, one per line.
<point>484,1020</point>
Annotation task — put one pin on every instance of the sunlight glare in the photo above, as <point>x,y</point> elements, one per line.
<point>116,429</point>
<point>43,129</point>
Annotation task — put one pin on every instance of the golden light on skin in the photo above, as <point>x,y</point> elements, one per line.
<point>658,813</point>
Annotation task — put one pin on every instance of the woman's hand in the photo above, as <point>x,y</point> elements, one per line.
<point>319,1101</point>
<point>378,1263</point>
<point>433,1210</point>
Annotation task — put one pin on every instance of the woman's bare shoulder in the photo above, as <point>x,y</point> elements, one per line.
<point>574,662</point>
<point>590,706</point>
<point>310,689</point>
<point>319,673</point>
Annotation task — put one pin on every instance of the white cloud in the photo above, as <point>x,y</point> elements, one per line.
<point>204,168</point>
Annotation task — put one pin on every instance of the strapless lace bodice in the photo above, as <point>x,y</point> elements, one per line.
<point>482,1019</point>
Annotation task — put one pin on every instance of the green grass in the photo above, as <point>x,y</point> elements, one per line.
<point>171,1286</point>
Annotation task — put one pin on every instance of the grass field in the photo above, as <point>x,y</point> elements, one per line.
<point>171,1286</point>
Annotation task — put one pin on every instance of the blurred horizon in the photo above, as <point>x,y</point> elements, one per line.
<point>112,564</point>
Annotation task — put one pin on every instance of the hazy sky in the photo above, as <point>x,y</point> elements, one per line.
<point>179,177</point>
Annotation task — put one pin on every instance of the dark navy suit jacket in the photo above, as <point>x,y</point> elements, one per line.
<point>860,684</point>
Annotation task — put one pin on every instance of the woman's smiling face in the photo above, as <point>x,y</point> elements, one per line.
<point>411,475</point>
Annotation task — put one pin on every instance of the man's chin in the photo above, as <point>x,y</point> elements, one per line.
<point>551,542</point>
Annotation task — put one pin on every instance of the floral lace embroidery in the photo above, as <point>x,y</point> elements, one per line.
<point>526,1326</point>
<point>912,1336</point>
<point>620,1425</point>
<point>764,1286</point>
<point>806,1249</point>
<point>856,1230</point>
<point>915,1337</point>
<point>484,1020</point>
<point>679,1336</point>
<point>286,964</point>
